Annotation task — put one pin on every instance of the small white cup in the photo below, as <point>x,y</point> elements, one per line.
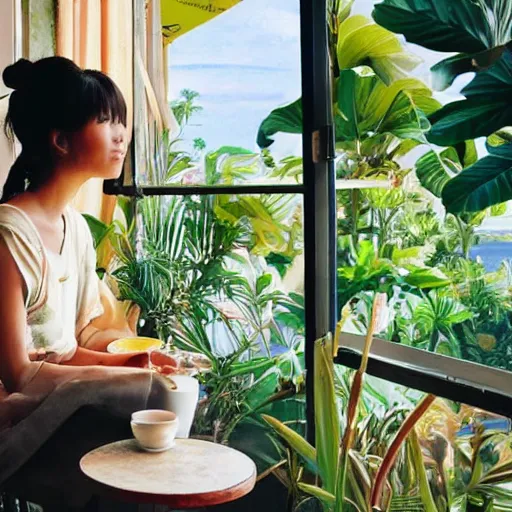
<point>155,429</point>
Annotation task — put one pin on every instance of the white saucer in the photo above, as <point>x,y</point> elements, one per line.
<point>158,450</point>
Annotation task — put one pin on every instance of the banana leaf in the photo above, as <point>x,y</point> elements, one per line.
<point>486,183</point>
<point>360,41</point>
<point>366,106</point>
<point>486,109</point>
<point>478,29</point>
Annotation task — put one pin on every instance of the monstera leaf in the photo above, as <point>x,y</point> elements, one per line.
<point>486,183</point>
<point>486,109</point>
<point>360,41</point>
<point>366,106</point>
<point>434,170</point>
<point>503,136</point>
<point>286,119</point>
<point>479,29</point>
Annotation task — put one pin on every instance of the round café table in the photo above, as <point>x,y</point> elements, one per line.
<point>192,474</point>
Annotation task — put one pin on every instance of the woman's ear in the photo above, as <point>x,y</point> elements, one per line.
<point>59,143</point>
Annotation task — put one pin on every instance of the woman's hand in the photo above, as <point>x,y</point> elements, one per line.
<point>157,361</point>
<point>163,363</point>
<point>37,354</point>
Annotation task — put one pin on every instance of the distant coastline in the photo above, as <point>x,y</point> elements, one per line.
<point>493,249</point>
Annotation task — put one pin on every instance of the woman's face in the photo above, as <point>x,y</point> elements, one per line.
<point>99,149</point>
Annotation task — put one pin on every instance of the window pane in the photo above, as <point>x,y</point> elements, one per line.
<point>447,278</point>
<point>222,276</point>
<point>224,78</point>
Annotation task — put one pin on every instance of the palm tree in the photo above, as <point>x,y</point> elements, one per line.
<point>184,107</point>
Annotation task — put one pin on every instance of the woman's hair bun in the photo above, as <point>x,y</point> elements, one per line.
<point>19,74</point>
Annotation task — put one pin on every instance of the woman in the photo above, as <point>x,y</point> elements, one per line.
<point>71,125</point>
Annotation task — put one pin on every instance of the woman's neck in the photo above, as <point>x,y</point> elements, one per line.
<point>57,193</point>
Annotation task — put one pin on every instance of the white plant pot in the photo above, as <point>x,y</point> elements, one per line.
<point>183,402</point>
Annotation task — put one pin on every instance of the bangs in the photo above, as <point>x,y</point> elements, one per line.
<point>103,100</point>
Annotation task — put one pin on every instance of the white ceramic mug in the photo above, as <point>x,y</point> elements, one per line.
<point>155,429</point>
<point>183,401</point>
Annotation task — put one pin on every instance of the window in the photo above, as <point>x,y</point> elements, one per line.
<point>220,222</point>
<point>354,203</point>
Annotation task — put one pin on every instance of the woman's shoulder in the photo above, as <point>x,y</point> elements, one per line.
<point>16,221</point>
<point>9,211</point>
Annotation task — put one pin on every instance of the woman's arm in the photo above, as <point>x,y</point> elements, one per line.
<point>15,366</point>
<point>93,338</point>
<point>84,356</point>
<point>161,362</point>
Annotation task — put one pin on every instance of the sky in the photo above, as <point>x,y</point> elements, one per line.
<point>244,63</point>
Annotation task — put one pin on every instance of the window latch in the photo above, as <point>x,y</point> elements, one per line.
<point>323,144</point>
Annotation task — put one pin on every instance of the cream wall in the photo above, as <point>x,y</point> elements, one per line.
<point>9,50</point>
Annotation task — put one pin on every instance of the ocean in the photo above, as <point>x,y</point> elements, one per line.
<point>492,253</point>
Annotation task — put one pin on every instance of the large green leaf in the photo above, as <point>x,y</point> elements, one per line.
<point>486,109</point>
<point>453,26</point>
<point>445,71</point>
<point>500,137</point>
<point>360,41</point>
<point>435,170</point>
<point>366,106</point>
<point>286,119</point>
<point>99,230</point>
<point>486,183</point>
<point>294,440</point>
<point>326,414</point>
<point>425,278</point>
<point>478,29</point>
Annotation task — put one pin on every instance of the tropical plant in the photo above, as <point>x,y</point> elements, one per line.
<point>478,31</point>
<point>348,477</point>
<point>371,273</point>
<point>484,110</point>
<point>113,242</point>
<point>372,119</point>
<point>482,31</point>
<point>380,115</point>
<point>185,107</point>
<point>433,320</point>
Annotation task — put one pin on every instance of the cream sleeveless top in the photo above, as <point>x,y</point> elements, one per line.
<point>61,290</point>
